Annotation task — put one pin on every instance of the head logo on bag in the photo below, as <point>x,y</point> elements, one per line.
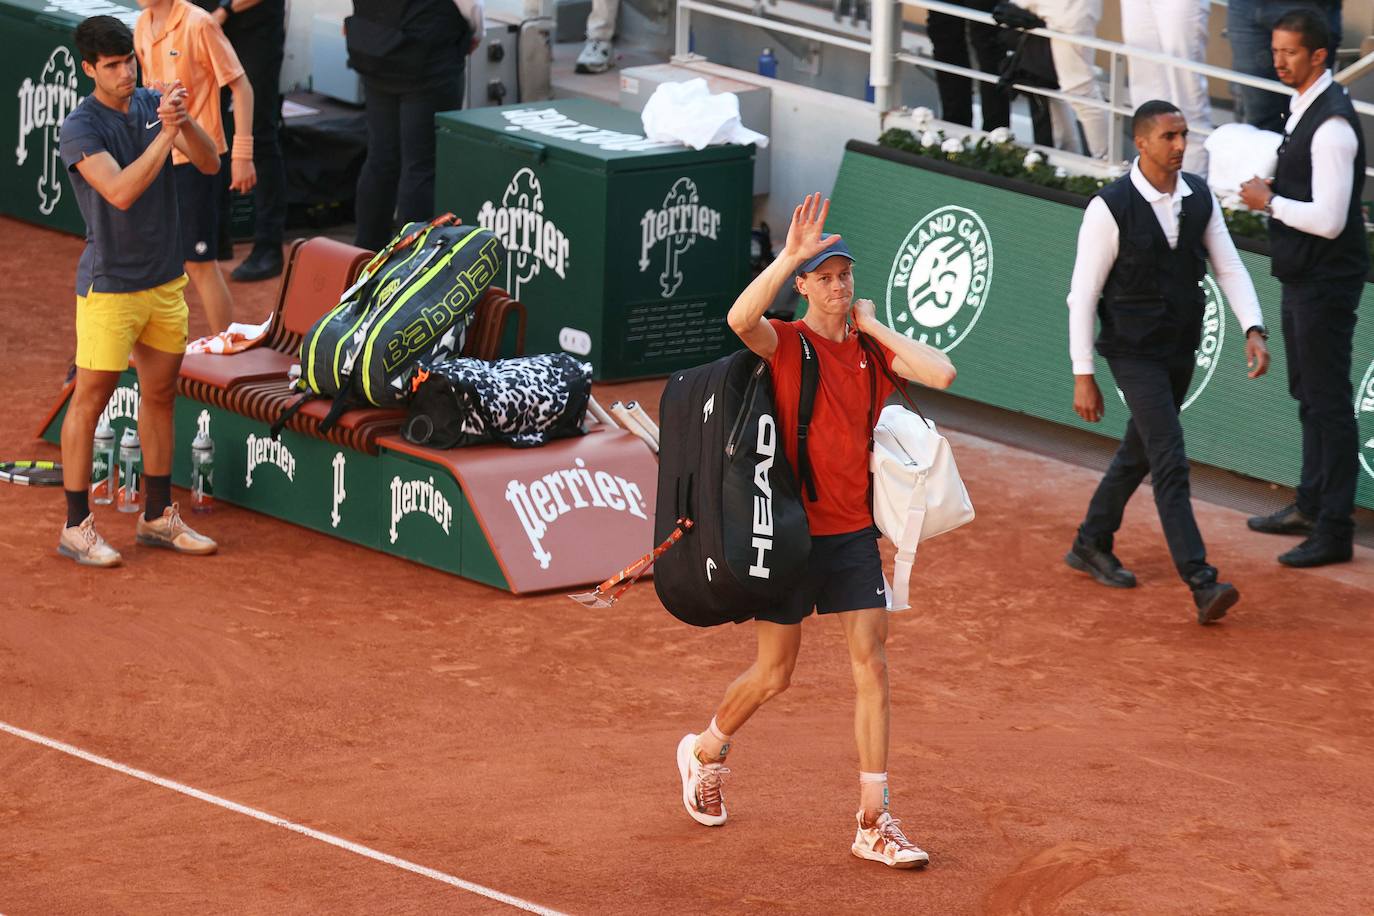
<point>1364,416</point>
<point>677,224</point>
<point>532,240</point>
<point>766,446</point>
<point>1208,351</point>
<point>706,408</point>
<point>940,277</point>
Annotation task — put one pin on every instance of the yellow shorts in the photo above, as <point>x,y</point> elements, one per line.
<point>109,324</point>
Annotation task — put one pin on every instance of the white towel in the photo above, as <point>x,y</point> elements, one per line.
<point>1236,153</point>
<point>688,113</point>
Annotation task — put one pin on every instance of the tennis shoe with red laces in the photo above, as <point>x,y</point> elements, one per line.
<point>701,784</point>
<point>884,842</point>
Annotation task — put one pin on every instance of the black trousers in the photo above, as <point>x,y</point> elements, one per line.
<point>950,37</point>
<point>260,51</point>
<point>1153,444</point>
<point>1318,335</point>
<point>397,180</point>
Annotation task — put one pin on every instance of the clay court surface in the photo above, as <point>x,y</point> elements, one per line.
<point>1057,747</point>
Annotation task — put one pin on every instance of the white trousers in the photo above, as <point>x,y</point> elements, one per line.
<point>601,21</point>
<point>1177,28</point>
<point>1076,65</point>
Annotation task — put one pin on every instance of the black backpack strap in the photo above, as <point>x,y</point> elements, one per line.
<point>291,410</point>
<point>810,381</point>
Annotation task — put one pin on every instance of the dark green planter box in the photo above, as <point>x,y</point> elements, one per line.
<point>909,219</point>
<point>625,252</point>
<point>41,84</point>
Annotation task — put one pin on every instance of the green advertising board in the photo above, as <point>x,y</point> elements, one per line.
<point>980,266</point>
<point>41,82</point>
<point>625,251</point>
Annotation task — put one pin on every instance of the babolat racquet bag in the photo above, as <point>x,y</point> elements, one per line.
<point>723,468</point>
<point>412,302</point>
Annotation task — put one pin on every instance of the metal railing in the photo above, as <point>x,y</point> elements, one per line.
<point>884,45</point>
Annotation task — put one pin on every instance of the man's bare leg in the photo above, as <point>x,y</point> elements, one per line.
<point>214,293</point>
<point>778,645</point>
<point>88,400</point>
<point>866,633</point>
<point>157,391</point>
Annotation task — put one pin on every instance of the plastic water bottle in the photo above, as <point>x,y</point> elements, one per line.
<point>103,471</point>
<point>130,472</point>
<point>202,473</point>
<point>768,64</point>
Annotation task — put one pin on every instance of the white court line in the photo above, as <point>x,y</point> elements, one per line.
<point>275,821</point>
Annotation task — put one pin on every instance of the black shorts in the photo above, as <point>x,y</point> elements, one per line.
<point>844,573</point>
<point>198,197</point>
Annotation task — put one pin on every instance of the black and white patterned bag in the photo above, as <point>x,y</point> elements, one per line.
<point>524,401</point>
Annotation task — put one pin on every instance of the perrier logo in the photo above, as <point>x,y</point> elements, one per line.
<point>940,277</point>
<point>1364,416</point>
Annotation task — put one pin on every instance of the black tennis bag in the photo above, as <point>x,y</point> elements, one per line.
<point>722,466</point>
<point>524,401</point>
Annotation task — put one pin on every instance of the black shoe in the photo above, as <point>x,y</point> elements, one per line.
<point>1102,565</point>
<point>1288,520</point>
<point>1318,551</point>
<point>261,264</point>
<point>1213,600</point>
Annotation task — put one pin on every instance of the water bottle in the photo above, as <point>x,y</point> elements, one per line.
<point>768,64</point>
<point>202,473</point>
<point>130,472</point>
<point>103,479</point>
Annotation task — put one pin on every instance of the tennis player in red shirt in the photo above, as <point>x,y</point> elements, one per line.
<point>844,575</point>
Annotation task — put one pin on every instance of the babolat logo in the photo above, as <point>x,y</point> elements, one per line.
<point>1364,416</point>
<point>422,497</point>
<point>940,277</point>
<point>1208,351</point>
<point>547,499</point>
<point>766,446</point>
<point>265,450</point>
<point>550,122</point>
<point>424,329</point>
<point>532,241</point>
<point>43,106</point>
<point>123,404</point>
<point>679,223</point>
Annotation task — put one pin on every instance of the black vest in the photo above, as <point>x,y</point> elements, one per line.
<point>1295,255</point>
<point>1152,302</point>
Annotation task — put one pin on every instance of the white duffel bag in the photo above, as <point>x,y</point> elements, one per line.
<point>917,491</point>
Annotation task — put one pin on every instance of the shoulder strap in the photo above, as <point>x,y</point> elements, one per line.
<point>810,381</point>
<point>878,358</point>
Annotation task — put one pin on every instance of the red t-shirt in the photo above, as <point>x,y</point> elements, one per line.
<point>837,443</point>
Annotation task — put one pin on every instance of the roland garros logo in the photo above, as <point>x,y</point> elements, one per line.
<point>533,242</point>
<point>940,277</point>
<point>677,224</point>
<point>1364,416</point>
<point>1208,351</point>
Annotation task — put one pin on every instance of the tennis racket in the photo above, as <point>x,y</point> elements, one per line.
<point>31,473</point>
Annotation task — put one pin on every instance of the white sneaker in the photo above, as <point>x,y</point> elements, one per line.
<point>85,545</point>
<point>701,784</point>
<point>168,530</point>
<point>595,57</point>
<point>884,842</point>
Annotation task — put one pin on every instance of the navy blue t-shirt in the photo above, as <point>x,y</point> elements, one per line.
<point>126,250</point>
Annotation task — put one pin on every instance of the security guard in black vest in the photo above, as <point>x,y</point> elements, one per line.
<point>1318,249</point>
<point>1142,254</point>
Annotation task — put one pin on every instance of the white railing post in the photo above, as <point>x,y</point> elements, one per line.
<point>882,58</point>
<point>683,39</point>
<point>1115,86</point>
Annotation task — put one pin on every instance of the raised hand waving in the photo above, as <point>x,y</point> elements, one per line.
<point>804,234</point>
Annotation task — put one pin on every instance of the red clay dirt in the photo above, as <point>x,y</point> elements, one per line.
<point>1058,747</point>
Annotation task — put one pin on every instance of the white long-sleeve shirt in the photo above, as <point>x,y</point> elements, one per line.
<point>1333,167</point>
<point>1098,242</point>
